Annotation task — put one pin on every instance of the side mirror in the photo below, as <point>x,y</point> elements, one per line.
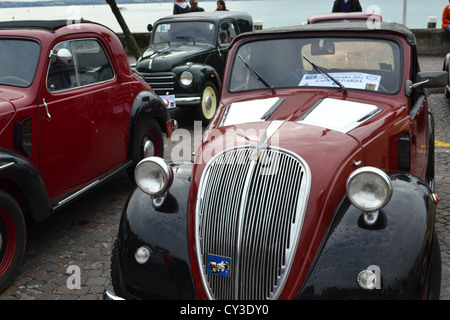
<point>149,27</point>
<point>432,79</point>
<point>427,79</point>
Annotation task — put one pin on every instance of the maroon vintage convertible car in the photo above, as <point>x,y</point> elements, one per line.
<point>313,181</point>
<point>72,115</point>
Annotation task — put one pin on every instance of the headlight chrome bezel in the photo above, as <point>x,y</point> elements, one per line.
<point>369,189</point>
<point>186,78</point>
<point>153,175</point>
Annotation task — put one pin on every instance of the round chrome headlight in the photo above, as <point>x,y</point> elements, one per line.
<point>186,78</point>
<point>367,280</point>
<point>153,175</point>
<point>142,254</point>
<point>369,189</point>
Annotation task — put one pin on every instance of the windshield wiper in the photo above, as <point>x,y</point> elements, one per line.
<point>258,76</point>
<point>326,74</point>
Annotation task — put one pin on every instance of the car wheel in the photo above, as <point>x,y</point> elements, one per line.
<point>208,106</point>
<point>12,238</point>
<point>147,142</point>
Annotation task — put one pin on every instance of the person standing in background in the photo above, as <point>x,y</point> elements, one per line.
<point>195,7</point>
<point>347,6</point>
<point>181,6</point>
<point>446,18</point>
<point>221,6</point>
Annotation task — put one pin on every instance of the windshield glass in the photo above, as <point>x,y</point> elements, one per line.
<point>352,63</point>
<point>19,60</point>
<point>174,32</point>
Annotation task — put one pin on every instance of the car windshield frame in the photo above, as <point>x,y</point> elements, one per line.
<point>169,32</point>
<point>342,62</point>
<point>19,61</point>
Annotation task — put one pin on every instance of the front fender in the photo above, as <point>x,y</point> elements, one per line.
<point>21,175</point>
<point>166,275</point>
<point>202,73</point>
<point>397,248</point>
<point>148,105</point>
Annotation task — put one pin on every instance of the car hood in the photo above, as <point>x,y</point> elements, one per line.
<point>317,135</point>
<point>160,59</point>
<point>319,125</point>
<point>322,140</point>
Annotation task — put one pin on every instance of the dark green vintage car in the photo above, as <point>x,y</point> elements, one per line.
<point>186,57</point>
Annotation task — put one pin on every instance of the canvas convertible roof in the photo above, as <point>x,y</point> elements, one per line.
<point>49,25</point>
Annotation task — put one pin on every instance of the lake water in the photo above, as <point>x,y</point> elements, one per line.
<point>272,13</point>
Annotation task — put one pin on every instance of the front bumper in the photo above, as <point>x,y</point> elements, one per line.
<point>108,295</point>
<point>188,101</point>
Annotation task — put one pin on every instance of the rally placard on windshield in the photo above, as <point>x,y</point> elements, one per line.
<point>354,80</point>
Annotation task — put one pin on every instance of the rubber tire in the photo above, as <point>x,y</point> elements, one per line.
<point>206,114</point>
<point>446,68</point>
<point>13,238</point>
<point>148,128</point>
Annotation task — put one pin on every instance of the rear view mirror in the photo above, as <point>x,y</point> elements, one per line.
<point>427,79</point>
<point>322,47</point>
<point>432,79</point>
<point>149,27</point>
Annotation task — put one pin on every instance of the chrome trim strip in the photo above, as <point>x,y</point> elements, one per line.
<point>6,166</point>
<point>245,193</point>
<point>148,77</point>
<point>59,201</point>
<point>76,194</point>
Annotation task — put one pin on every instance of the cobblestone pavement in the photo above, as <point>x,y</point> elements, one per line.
<point>82,234</point>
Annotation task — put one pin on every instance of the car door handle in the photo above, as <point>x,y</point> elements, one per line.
<point>49,117</point>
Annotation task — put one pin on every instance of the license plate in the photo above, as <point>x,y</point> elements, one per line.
<point>170,101</point>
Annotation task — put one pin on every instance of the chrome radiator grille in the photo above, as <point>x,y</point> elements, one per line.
<point>250,210</point>
<point>161,83</point>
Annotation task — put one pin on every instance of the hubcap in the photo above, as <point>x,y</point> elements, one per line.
<point>208,103</point>
<point>148,148</point>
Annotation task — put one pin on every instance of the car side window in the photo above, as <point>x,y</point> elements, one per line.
<point>76,64</point>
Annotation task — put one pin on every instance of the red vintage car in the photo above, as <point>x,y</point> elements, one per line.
<point>315,179</point>
<point>72,115</point>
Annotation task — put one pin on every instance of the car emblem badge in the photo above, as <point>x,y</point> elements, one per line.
<point>217,265</point>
